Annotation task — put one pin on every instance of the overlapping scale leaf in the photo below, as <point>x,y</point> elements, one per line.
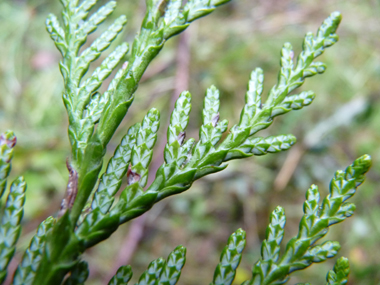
<point>173,11</point>
<point>251,115</point>
<point>339,275</point>
<point>165,272</point>
<point>122,276</point>
<point>28,266</point>
<point>218,2</point>
<point>311,205</point>
<point>117,167</point>
<point>261,146</point>
<point>176,19</point>
<point>317,219</point>
<point>10,224</point>
<point>101,73</point>
<point>252,98</point>
<point>211,107</point>
<point>80,25</point>
<point>180,117</point>
<point>311,226</point>
<point>92,23</point>
<point>98,102</point>
<point>172,269</point>
<point>79,274</point>
<point>230,259</point>
<point>7,143</point>
<point>96,227</point>
<point>211,130</point>
<point>270,247</point>
<point>320,253</point>
<point>133,201</point>
<point>56,33</point>
<point>153,273</point>
<point>61,252</point>
<point>100,44</point>
<point>115,81</point>
<point>255,88</point>
<point>84,7</point>
<point>294,102</point>
<point>142,151</point>
<point>272,144</point>
<point>175,149</point>
<point>285,81</point>
<point>95,107</point>
<point>195,9</point>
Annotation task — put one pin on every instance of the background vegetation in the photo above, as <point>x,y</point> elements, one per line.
<point>221,49</point>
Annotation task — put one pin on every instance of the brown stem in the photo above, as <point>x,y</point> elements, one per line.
<point>289,167</point>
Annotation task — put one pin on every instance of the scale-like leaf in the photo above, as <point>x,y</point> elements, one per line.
<point>117,167</point>
<point>270,248</point>
<point>10,224</point>
<point>7,143</point>
<point>122,276</point>
<point>230,259</point>
<point>142,152</point>
<point>339,275</point>
<point>28,266</point>
<point>172,269</point>
<point>100,44</point>
<point>91,24</point>
<point>102,72</point>
<point>79,274</point>
<point>175,150</point>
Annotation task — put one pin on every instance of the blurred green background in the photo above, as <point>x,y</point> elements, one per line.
<point>221,49</point>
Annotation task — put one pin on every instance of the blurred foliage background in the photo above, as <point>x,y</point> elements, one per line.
<point>221,49</point>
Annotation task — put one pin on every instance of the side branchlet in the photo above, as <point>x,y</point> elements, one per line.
<point>13,210</point>
<point>302,251</point>
<point>230,259</point>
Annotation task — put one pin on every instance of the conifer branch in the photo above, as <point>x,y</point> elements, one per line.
<point>301,251</point>
<point>53,256</point>
<point>186,162</point>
